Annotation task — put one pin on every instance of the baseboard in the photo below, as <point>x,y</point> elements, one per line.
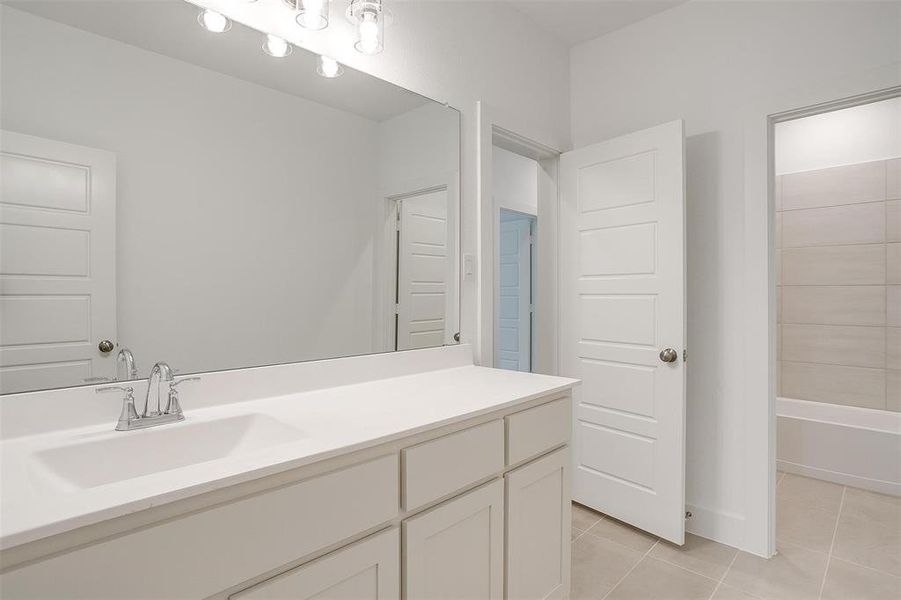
<point>722,527</point>
<point>873,485</point>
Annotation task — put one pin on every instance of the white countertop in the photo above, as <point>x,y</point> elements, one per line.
<point>333,422</point>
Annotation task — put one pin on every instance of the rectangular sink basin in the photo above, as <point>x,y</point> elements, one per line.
<point>132,454</point>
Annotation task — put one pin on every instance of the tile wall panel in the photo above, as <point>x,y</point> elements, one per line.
<point>838,269</point>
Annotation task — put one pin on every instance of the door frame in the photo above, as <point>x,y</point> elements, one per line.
<point>545,324</point>
<point>385,255</point>
<point>755,530</point>
<point>771,121</point>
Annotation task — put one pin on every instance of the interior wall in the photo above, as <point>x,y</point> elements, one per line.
<point>419,145</point>
<point>865,133</point>
<point>723,67</point>
<point>203,156</point>
<point>514,181</point>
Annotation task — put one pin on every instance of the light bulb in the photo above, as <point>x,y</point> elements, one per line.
<point>313,14</point>
<point>329,67</point>
<point>213,21</point>
<point>369,34</point>
<point>276,46</point>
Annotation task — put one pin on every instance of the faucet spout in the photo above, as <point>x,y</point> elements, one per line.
<point>131,370</point>
<point>159,373</point>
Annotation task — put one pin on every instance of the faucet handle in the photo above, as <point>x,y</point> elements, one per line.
<point>173,406</point>
<point>129,413</point>
<point>174,383</point>
<point>129,391</point>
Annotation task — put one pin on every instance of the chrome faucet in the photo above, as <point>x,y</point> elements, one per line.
<point>131,370</point>
<point>161,372</point>
<point>130,419</point>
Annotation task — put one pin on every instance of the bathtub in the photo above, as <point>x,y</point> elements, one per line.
<point>853,446</point>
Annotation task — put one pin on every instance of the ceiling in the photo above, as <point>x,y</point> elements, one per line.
<point>169,27</point>
<point>577,21</point>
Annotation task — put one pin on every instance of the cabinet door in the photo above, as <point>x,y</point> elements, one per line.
<point>366,570</point>
<point>538,528</point>
<point>456,550</point>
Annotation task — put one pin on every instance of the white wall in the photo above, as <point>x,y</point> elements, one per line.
<point>842,137</point>
<point>227,215</point>
<point>723,67</point>
<point>514,181</point>
<point>460,53</point>
<point>419,144</point>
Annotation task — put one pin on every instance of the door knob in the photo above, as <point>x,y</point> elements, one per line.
<point>106,346</point>
<point>669,355</point>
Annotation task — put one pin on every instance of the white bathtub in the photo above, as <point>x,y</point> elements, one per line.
<point>854,446</point>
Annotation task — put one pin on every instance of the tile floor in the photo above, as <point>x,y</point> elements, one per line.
<point>834,543</point>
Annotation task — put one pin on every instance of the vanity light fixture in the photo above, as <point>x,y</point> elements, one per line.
<point>213,21</point>
<point>329,67</point>
<point>369,19</point>
<point>277,47</point>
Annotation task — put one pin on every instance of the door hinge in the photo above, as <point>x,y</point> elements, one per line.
<point>397,220</point>
<point>531,308</point>
<point>397,309</point>
<point>684,355</point>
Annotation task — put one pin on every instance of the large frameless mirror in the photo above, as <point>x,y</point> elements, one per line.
<point>169,193</point>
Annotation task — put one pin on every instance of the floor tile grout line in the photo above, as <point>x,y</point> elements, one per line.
<point>838,518</point>
<point>723,578</point>
<point>584,531</point>
<point>860,566</point>
<point>684,568</point>
<point>635,566</point>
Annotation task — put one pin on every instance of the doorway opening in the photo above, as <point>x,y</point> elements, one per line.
<point>836,186</point>
<point>516,290</point>
<point>515,196</point>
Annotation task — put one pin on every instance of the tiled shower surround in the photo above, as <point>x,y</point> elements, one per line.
<point>838,261</point>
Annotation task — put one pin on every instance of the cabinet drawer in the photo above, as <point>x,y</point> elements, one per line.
<point>366,570</point>
<point>536,430</point>
<point>221,547</point>
<point>439,467</point>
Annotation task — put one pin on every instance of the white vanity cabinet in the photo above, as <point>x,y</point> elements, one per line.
<point>477,509</point>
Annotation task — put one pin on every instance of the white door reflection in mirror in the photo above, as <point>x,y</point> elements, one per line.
<point>57,262</point>
<point>422,270</point>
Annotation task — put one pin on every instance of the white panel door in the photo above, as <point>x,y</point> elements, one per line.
<point>513,338</point>
<point>57,262</point>
<point>367,570</point>
<point>538,528</point>
<point>456,550</point>
<point>423,270</point>
<point>622,303</point>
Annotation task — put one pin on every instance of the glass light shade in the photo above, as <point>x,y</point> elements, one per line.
<point>312,14</point>
<point>369,19</point>
<point>213,21</point>
<point>277,47</point>
<point>329,67</point>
